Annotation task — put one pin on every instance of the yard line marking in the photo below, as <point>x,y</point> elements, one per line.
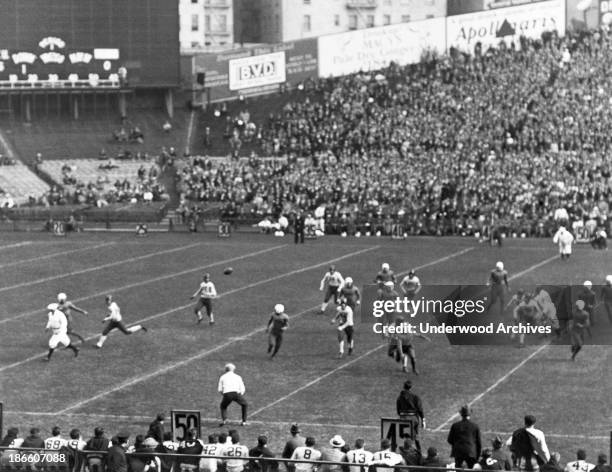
<point>437,261</point>
<point>10,246</point>
<point>317,380</point>
<point>154,279</point>
<point>183,307</point>
<point>95,268</point>
<point>55,254</point>
<point>504,377</point>
<point>279,423</point>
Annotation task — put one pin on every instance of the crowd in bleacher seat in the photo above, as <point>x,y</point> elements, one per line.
<point>147,453</point>
<point>509,134</point>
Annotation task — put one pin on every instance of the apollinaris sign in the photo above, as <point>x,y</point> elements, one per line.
<point>505,24</point>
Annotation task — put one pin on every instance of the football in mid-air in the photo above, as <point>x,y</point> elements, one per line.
<point>228,270</point>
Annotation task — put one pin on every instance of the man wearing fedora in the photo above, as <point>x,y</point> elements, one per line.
<point>334,454</point>
<point>464,438</point>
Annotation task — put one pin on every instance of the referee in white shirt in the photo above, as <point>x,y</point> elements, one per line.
<point>232,388</point>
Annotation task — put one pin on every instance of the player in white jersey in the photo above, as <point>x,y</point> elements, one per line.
<point>333,281</point>
<point>580,464</point>
<point>411,285</point>
<point>58,325</point>
<point>235,449</point>
<point>206,291</point>
<point>359,456</point>
<point>67,306</point>
<point>213,448</point>
<point>346,327</point>
<point>564,239</point>
<point>386,457</point>
<point>307,452</point>
<point>55,442</point>
<point>114,319</point>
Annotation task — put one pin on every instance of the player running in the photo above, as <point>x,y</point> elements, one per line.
<point>66,306</point>
<point>527,311</point>
<point>333,281</point>
<point>564,239</point>
<point>410,285</point>
<point>346,327</point>
<point>206,292</point>
<point>114,319</point>
<point>58,324</point>
<point>606,297</point>
<point>385,275</point>
<point>498,281</point>
<point>577,325</point>
<point>279,322</point>
<point>350,293</point>
<point>401,347</point>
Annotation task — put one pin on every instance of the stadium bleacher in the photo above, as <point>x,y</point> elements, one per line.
<point>19,183</point>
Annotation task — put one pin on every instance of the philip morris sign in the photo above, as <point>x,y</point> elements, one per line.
<point>256,71</point>
<point>375,48</point>
<point>505,24</point>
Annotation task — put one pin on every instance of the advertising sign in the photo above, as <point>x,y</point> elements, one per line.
<point>375,48</point>
<point>505,24</point>
<point>460,7</point>
<point>256,71</point>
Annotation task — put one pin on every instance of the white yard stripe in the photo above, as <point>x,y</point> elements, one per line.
<point>10,246</point>
<point>54,254</point>
<point>99,267</point>
<point>152,280</point>
<point>504,377</point>
<point>317,380</point>
<point>334,426</point>
<point>327,374</point>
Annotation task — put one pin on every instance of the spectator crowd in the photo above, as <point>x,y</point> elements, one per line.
<point>451,145</point>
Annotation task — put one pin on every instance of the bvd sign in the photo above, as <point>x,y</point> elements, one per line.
<point>255,71</point>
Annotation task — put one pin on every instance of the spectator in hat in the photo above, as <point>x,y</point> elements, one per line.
<point>553,465</point>
<point>334,454</point>
<point>432,459</point>
<point>262,450</point>
<point>156,428</point>
<point>602,464</point>
<point>464,438</point>
<point>296,440</point>
<point>499,454</point>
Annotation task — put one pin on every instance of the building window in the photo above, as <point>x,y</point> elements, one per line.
<point>428,17</point>
<point>336,20</point>
<point>386,19</point>
<point>405,18</point>
<point>195,22</point>
<point>276,23</point>
<point>207,23</point>
<point>222,26</point>
<point>194,1</point>
<point>369,21</point>
<point>306,24</point>
<point>306,2</point>
<point>352,22</point>
<point>195,44</point>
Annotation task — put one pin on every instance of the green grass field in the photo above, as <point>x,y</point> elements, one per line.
<point>177,363</point>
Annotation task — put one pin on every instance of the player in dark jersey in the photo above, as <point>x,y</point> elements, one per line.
<point>498,281</point>
<point>66,306</point>
<point>606,297</point>
<point>587,295</point>
<point>277,325</point>
<point>577,325</point>
<point>527,311</point>
<point>385,275</point>
<point>401,347</point>
<point>350,293</point>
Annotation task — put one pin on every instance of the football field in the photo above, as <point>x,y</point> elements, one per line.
<point>176,364</point>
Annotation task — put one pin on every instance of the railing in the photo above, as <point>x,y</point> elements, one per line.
<point>37,460</point>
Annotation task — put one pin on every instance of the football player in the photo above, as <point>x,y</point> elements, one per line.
<point>350,293</point>
<point>498,281</point>
<point>307,452</point>
<point>527,311</point>
<point>66,306</point>
<point>386,457</point>
<point>359,456</point>
<point>58,324</point>
<point>346,327</point>
<point>114,319</point>
<point>410,285</point>
<point>333,281</point>
<point>279,322</point>
<point>206,292</point>
<point>401,348</point>
<point>577,325</point>
<point>385,275</point>
<point>606,296</point>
